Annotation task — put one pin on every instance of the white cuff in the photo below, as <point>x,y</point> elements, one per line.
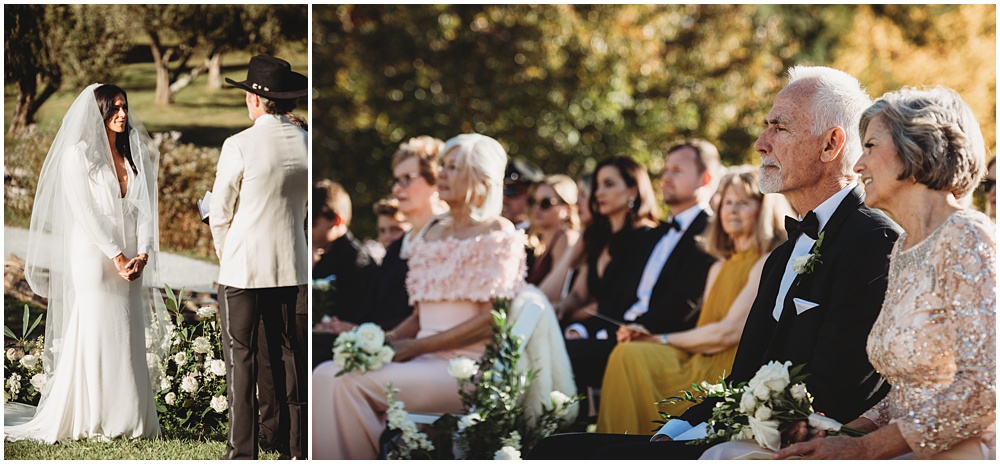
<point>579,328</point>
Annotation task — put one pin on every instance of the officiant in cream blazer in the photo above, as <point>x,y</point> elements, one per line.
<point>257,214</point>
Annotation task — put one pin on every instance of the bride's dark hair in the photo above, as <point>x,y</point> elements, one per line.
<point>105,95</point>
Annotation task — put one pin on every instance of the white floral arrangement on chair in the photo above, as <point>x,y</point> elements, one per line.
<point>761,409</point>
<point>361,349</point>
<point>496,425</point>
<point>24,377</point>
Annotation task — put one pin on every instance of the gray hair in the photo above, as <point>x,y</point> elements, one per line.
<point>838,100</point>
<point>936,135</point>
<point>484,160</point>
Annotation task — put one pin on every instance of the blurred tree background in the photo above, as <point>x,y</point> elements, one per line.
<point>171,60</point>
<point>565,86</point>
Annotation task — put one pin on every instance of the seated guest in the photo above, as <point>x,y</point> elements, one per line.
<point>935,340</point>
<point>336,253</point>
<point>517,182</point>
<point>415,174</point>
<point>554,223</point>
<point>645,368</point>
<point>559,281</point>
<point>452,317</point>
<point>820,316</point>
<point>390,222</point>
<point>669,286</point>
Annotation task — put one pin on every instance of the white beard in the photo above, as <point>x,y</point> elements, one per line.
<point>769,183</point>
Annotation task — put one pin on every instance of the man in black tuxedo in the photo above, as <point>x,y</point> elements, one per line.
<point>819,317</point>
<point>672,282</point>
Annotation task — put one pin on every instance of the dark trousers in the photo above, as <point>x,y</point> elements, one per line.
<point>242,313</point>
<point>589,358</point>
<point>570,446</point>
<point>276,431</point>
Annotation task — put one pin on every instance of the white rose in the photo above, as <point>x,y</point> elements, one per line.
<point>559,401</point>
<point>180,358</point>
<point>799,391</point>
<point>11,354</point>
<point>217,367</point>
<point>761,392</point>
<point>38,381</point>
<point>763,413</point>
<point>165,383</point>
<point>462,368</point>
<point>189,384</point>
<point>201,345</point>
<point>799,264</point>
<point>766,433</point>
<point>385,354</point>
<point>220,403</point>
<point>773,376</point>
<point>205,312</point>
<point>819,422</point>
<point>370,337</point>
<point>29,361</point>
<point>469,420</point>
<point>748,403</point>
<point>507,453</point>
<point>170,398</point>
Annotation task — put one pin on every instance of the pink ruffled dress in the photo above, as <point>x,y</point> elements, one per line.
<point>448,281</point>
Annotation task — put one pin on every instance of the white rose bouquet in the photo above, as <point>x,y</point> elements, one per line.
<point>361,349</point>
<point>24,378</point>
<point>771,402</point>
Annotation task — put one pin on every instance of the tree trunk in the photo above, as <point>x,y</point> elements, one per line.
<point>214,64</point>
<point>160,59</point>
<point>29,101</point>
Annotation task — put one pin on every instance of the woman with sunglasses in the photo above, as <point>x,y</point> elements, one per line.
<point>990,189</point>
<point>554,223</point>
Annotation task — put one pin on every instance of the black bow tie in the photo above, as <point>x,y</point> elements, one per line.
<point>672,224</point>
<point>809,225</point>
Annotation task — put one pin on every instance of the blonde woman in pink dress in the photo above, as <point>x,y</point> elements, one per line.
<point>935,339</point>
<point>463,262</point>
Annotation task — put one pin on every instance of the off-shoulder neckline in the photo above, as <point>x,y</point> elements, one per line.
<point>476,238</point>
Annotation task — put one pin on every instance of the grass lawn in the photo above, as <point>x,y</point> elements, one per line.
<point>173,449</point>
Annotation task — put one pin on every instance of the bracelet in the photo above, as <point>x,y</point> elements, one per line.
<point>663,339</point>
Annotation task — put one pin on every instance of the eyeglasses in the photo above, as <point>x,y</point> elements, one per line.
<point>404,181</point>
<point>545,204</point>
<point>989,184</point>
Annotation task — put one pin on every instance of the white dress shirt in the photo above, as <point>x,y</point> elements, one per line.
<point>682,430</point>
<point>658,258</point>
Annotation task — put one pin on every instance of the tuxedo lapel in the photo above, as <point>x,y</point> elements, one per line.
<point>684,246</point>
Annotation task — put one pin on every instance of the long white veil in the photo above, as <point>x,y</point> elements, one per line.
<point>78,194</point>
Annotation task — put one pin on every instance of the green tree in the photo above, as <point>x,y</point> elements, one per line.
<point>48,46</point>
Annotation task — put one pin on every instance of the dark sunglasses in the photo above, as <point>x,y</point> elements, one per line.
<point>545,204</point>
<point>989,184</point>
<point>511,192</point>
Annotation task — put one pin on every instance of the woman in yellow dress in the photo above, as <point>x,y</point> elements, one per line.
<point>650,368</point>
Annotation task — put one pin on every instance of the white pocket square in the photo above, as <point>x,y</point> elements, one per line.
<point>802,306</point>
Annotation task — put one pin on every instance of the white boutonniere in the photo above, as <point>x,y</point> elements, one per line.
<point>807,263</point>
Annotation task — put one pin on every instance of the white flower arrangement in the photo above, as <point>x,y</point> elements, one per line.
<point>806,264</point>
<point>413,441</point>
<point>361,349</point>
<point>507,453</point>
<point>24,379</point>
<point>759,409</point>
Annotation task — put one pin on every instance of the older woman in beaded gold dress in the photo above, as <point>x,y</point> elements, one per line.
<point>935,340</point>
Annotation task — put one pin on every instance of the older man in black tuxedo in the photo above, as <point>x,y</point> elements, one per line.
<point>820,316</point>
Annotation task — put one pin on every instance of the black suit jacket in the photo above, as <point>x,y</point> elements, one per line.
<point>675,302</point>
<point>849,286</point>
<point>389,303</point>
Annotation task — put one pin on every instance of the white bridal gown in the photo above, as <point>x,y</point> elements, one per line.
<point>101,384</point>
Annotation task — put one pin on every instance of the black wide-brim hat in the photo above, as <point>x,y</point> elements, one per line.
<point>273,78</point>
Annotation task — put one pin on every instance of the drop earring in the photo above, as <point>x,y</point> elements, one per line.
<point>631,203</point>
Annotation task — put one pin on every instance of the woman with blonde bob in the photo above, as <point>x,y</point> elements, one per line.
<point>458,267</point>
<point>648,369</point>
<point>555,225</point>
<point>935,338</point>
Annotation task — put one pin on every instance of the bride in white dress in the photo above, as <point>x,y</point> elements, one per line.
<point>92,251</point>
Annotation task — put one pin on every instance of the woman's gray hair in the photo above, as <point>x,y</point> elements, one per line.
<point>936,135</point>
<point>838,100</point>
<point>484,160</point>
